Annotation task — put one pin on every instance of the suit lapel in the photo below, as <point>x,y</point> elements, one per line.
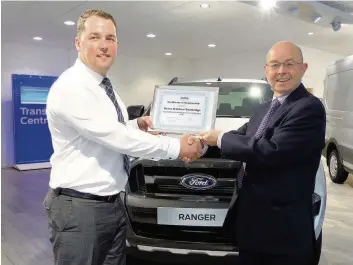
<point>292,98</point>
<point>260,114</point>
<point>285,105</point>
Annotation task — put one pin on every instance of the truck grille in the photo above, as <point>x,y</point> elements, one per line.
<point>156,179</point>
<point>171,185</point>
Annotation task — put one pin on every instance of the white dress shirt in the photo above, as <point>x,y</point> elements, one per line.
<point>89,141</point>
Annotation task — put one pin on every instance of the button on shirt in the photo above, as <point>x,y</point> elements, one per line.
<point>88,139</point>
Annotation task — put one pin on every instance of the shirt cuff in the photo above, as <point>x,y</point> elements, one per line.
<point>133,124</point>
<point>219,140</point>
<point>204,149</point>
<point>173,150</point>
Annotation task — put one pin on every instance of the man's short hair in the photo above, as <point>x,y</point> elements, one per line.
<point>89,13</point>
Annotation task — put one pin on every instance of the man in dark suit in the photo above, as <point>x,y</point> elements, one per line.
<point>270,215</point>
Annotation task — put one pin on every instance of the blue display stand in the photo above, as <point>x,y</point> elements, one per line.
<point>32,141</point>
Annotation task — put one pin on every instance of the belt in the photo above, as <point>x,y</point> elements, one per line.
<point>82,195</point>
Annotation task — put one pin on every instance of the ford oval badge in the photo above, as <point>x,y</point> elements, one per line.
<point>198,181</point>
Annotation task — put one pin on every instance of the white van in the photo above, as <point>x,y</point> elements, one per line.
<point>338,101</point>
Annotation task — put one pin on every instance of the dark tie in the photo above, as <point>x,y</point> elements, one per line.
<point>273,107</point>
<point>110,92</point>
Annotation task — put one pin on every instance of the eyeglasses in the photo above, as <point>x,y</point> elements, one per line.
<point>288,65</point>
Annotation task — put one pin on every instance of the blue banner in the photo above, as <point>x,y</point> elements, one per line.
<point>32,141</point>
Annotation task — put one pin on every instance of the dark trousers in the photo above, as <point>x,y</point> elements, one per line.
<point>247,257</point>
<point>86,232</point>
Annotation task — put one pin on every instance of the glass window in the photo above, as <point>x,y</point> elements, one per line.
<point>237,99</point>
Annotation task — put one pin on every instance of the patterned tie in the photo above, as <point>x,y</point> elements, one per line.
<point>110,92</point>
<point>274,106</point>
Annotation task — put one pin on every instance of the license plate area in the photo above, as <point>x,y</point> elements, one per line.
<point>191,216</point>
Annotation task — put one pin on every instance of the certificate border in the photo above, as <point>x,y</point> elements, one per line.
<point>213,91</point>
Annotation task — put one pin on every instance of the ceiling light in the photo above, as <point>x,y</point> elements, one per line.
<point>69,23</point>
<point>311,33</point>
<point>205,6</point>
<point>316,19</point>
<point>151,35</point>
<point>336,26</point>
<point>211,45</point>
<point>343,25</point>
<point>268,4</point>
<point>168,53</point>
<point>37,38</point>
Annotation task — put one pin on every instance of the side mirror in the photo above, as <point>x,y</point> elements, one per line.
<point>135,111</point>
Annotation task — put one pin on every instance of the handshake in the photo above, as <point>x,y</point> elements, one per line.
<point>192,146</point>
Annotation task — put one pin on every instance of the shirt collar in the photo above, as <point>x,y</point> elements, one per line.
<point>92,76</point>
<point>281,99</point>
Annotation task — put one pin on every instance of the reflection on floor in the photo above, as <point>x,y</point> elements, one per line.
<point>24,237</point>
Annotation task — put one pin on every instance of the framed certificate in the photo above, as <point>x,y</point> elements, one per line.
<point>184,109</point>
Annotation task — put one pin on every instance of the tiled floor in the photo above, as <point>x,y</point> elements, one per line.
<point>338,224</point>
<point>24,237</point>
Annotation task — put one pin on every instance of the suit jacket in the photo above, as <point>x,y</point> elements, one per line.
<point>273,211</point>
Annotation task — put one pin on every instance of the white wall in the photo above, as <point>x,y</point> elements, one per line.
<point>133,78</point>
<point>241,65</point>
<point>317,60</point>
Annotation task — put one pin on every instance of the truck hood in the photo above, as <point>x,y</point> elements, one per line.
<point>223,124</point>
<point>228,124</point>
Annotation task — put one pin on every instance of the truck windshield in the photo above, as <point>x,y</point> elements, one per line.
<point>237,99</point>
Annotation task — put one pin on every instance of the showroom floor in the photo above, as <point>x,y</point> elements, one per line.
<point>24,235</point>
